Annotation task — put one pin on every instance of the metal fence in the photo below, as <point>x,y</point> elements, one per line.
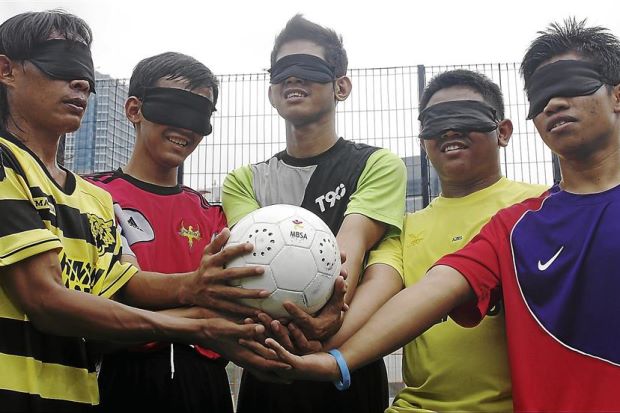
<point>381,110</point>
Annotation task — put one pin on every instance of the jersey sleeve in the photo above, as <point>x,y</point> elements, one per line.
<point>380,192</point>
<point>238,198</point>
<point>117,273</point>
<point>389,252</point>
<point>479,263</point>
<point>118,212</point>
<point>22,231</point>
<point>220,220</point>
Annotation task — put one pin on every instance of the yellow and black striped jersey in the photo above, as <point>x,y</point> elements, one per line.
<point>43,372</point>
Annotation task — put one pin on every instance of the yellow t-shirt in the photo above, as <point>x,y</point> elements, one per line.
<point>449,367</point>
<point>40,369</point>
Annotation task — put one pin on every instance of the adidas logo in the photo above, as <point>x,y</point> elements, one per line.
<point>133,224</point>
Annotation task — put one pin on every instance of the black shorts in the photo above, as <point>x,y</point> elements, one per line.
<point>141,382</point>
<point>368,394</point>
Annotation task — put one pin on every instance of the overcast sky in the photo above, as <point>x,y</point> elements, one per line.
<point>236,36</point>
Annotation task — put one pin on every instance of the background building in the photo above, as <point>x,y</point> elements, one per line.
<point>105,139</point>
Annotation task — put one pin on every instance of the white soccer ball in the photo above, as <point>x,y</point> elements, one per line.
<point>299,253</point>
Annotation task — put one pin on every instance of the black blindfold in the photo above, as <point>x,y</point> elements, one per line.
<point>64,60</point>
<point>458,115</point>
<point>179,108</point>
<point>564,78</point>
<point>303,66</point>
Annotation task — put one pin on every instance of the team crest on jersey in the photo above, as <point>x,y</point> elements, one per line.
<point>103,233</point>
<point>190,233</point>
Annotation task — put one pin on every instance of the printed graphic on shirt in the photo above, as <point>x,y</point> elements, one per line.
<point>102,233</point>
<point>43,203</point>
<point>329,199</point>
<point>191,232</point>
<point>414,239</point>
<point>79,275</point>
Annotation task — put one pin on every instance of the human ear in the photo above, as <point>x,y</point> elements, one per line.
<point>504,132</point>
<point>6,70</point>
<point>269,92</point>
<point>615,92</point>
<point>133,109</point>
<point>342,88</point>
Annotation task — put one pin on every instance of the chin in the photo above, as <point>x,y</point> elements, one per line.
<point>456,168</point>
<point>173,161</point>
<point>69,127</point>
<point>301,120</point>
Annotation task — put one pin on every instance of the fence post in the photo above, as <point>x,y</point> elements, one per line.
<point>424,175</point>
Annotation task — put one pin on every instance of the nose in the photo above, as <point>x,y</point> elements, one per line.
<point>451,134</point>
<point>293,79</point>
<point>555,105</point>
<point>189,134</point>
<point>80,84</point>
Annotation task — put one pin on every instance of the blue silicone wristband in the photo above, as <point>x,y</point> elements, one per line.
<point>345,377</point>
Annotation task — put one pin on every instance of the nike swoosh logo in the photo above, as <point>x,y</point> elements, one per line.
<point>543,267</point>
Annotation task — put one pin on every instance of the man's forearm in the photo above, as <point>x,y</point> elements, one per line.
<point>35,286</point>
<point>407,315</point>
<point>381,282</point>
<point>156,291</point>
<point>357,235</point>
<point>72,313</point>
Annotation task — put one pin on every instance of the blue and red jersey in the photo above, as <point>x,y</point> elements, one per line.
<point>555,261</point>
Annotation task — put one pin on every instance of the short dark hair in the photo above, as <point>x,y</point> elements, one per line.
<point>299,28</point>
<point>171,66</point>
<point>478,82</point>
<point>21,33</point>
<point>595,44</point>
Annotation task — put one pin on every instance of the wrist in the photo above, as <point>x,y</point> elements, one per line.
<point>344,381</point>
<point>184,294</point>
<point>184,330</point>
